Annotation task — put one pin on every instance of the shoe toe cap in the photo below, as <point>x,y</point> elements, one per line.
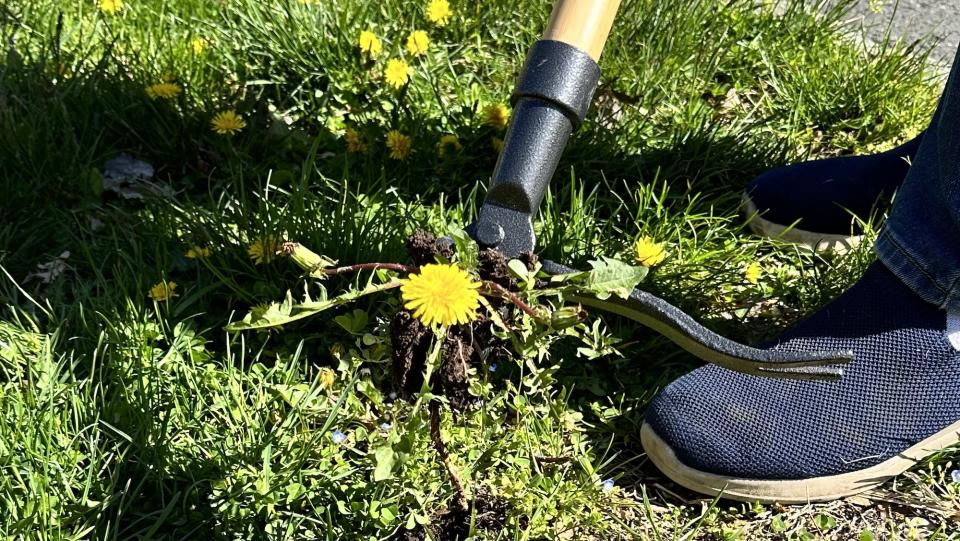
<point>714,430</point>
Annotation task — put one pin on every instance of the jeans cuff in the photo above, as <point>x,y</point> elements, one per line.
<point>909,268</point>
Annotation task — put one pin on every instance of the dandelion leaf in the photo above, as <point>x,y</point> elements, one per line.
<point>385,458</point>
<point>611,277</point>
<point>280,313</point>
<point>466,250</point>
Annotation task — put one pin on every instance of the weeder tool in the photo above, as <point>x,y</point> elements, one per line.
<point>550,101</point>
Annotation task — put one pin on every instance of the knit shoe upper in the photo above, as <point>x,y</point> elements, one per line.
<point>820,195</point>
<point>902,387</point>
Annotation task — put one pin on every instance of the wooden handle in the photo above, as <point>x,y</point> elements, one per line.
<point>585,24</point>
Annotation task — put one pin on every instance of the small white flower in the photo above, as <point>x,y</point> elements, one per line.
<point>385,426</point>
<point>393,396</point>
<point>608,485</point>
<point>364,372</point>
<point>492,367</point>
<point>338,437</point>
<point>955,475</point>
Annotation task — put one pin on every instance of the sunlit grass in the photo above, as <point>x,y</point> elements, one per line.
<point>125,417</point>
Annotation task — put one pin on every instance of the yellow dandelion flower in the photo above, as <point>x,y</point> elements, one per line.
<point>355,142</point>
<point>397,73</point>
<point>448,141</point>
<point>369,43</point>
<point>111,7</point>
<point>496,115</point>
<point>163,291</point>
<point>417,43</point>
<point>752,272</point>
<point>227,123</point>
<point>327,378</point>
<point>648,252</point>
<point>438,11</point>
<point>264,249</point>
<point>167,91</point>
<point>441,295</point>
<point>399,144</point>
<point>496,143</point>
<point>198,252</point>
<point>198,45</point>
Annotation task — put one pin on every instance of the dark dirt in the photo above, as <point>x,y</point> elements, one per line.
<point>488,513</point>
<point>410,340</point>
<point>424,248</point>
<point>465,345</point>
<point>493,267</point>
<point>457,353</point>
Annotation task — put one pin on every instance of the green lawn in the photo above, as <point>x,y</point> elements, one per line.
<point>125,417</point>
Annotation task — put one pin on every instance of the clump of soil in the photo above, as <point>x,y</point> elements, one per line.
<point>410,340</point>
<point>493,267</point>
<point>457,353</point>
<point>465,346</point>
<point>424,248</point>
<point>487,512</point>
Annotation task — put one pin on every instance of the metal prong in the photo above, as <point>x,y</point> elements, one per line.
<point>661,316</point>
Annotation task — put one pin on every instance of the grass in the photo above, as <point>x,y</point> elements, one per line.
<point>121,417</point>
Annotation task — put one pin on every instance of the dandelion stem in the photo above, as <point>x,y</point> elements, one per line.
<point>493,288</point>
<point>369,266</point>
<point>455,479</point>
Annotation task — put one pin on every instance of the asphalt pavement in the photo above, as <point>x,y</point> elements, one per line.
<point>914,19</point>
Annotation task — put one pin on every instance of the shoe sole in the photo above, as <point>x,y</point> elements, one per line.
<point>792,491</point>
<point>818,242</point>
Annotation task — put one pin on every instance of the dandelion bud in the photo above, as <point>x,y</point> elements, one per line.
<point>568,316</point>
<point>306,259</point>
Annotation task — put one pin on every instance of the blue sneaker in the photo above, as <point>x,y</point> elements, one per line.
<point>818,203</point>
<point>757,439</point>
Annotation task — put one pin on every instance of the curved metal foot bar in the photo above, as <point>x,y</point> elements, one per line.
<point>668,320</point>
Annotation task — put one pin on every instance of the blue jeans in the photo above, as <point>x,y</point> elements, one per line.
<point>920,242</point>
